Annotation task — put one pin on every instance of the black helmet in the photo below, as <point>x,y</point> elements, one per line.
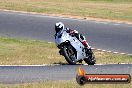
<point>59,26</point>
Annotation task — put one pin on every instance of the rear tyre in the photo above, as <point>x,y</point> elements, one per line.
<point>91,58</point>
<point>69,54</point>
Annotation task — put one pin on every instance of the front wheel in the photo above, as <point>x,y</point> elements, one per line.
<point>69,54</point>
<point>91,58</point>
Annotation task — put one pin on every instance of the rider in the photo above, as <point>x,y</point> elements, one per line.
<point>60,26</point>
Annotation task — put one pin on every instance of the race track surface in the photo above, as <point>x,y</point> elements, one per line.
<point>116,37</point>
<point>24,74</point>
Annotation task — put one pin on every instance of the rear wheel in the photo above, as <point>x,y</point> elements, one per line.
<point>69,54</point>
<point>91,58</point>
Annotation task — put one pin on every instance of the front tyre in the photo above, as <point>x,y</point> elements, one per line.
<point>69,54</point>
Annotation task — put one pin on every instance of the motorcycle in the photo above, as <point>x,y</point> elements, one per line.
<point>72,49</point>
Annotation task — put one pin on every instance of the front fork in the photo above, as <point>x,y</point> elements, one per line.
<point>61,53</point>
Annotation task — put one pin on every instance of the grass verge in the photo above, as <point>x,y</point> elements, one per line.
<point>28,52</point>
<point>65,84</point>
<point>106,9</point>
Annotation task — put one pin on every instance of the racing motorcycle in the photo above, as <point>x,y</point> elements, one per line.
<point>72,49</point>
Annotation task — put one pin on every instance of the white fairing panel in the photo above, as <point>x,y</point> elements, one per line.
<point>63,36</point>
<point>79,48</point>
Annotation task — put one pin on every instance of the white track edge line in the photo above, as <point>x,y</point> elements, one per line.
<point>23,12</point>
<point>58,65</point>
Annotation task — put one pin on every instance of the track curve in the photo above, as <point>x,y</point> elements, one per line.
<point>104,35</point>
<point>115,37</point>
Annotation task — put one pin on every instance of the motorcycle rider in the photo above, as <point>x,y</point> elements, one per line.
<point>60,26</point>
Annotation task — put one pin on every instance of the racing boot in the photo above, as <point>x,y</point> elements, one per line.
<point>88,51</point>
<point>87,48</point>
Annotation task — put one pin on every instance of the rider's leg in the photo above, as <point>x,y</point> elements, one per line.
<point>83,40</point>
<point>85,43</point>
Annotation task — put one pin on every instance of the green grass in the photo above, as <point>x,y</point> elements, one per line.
<point>21,52</point>
<point>106,9</point>
<point>65,84</point>
<point>13,51</point>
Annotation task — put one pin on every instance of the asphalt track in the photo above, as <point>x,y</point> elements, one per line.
<point>116,37</point>
<point>25,74</point>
